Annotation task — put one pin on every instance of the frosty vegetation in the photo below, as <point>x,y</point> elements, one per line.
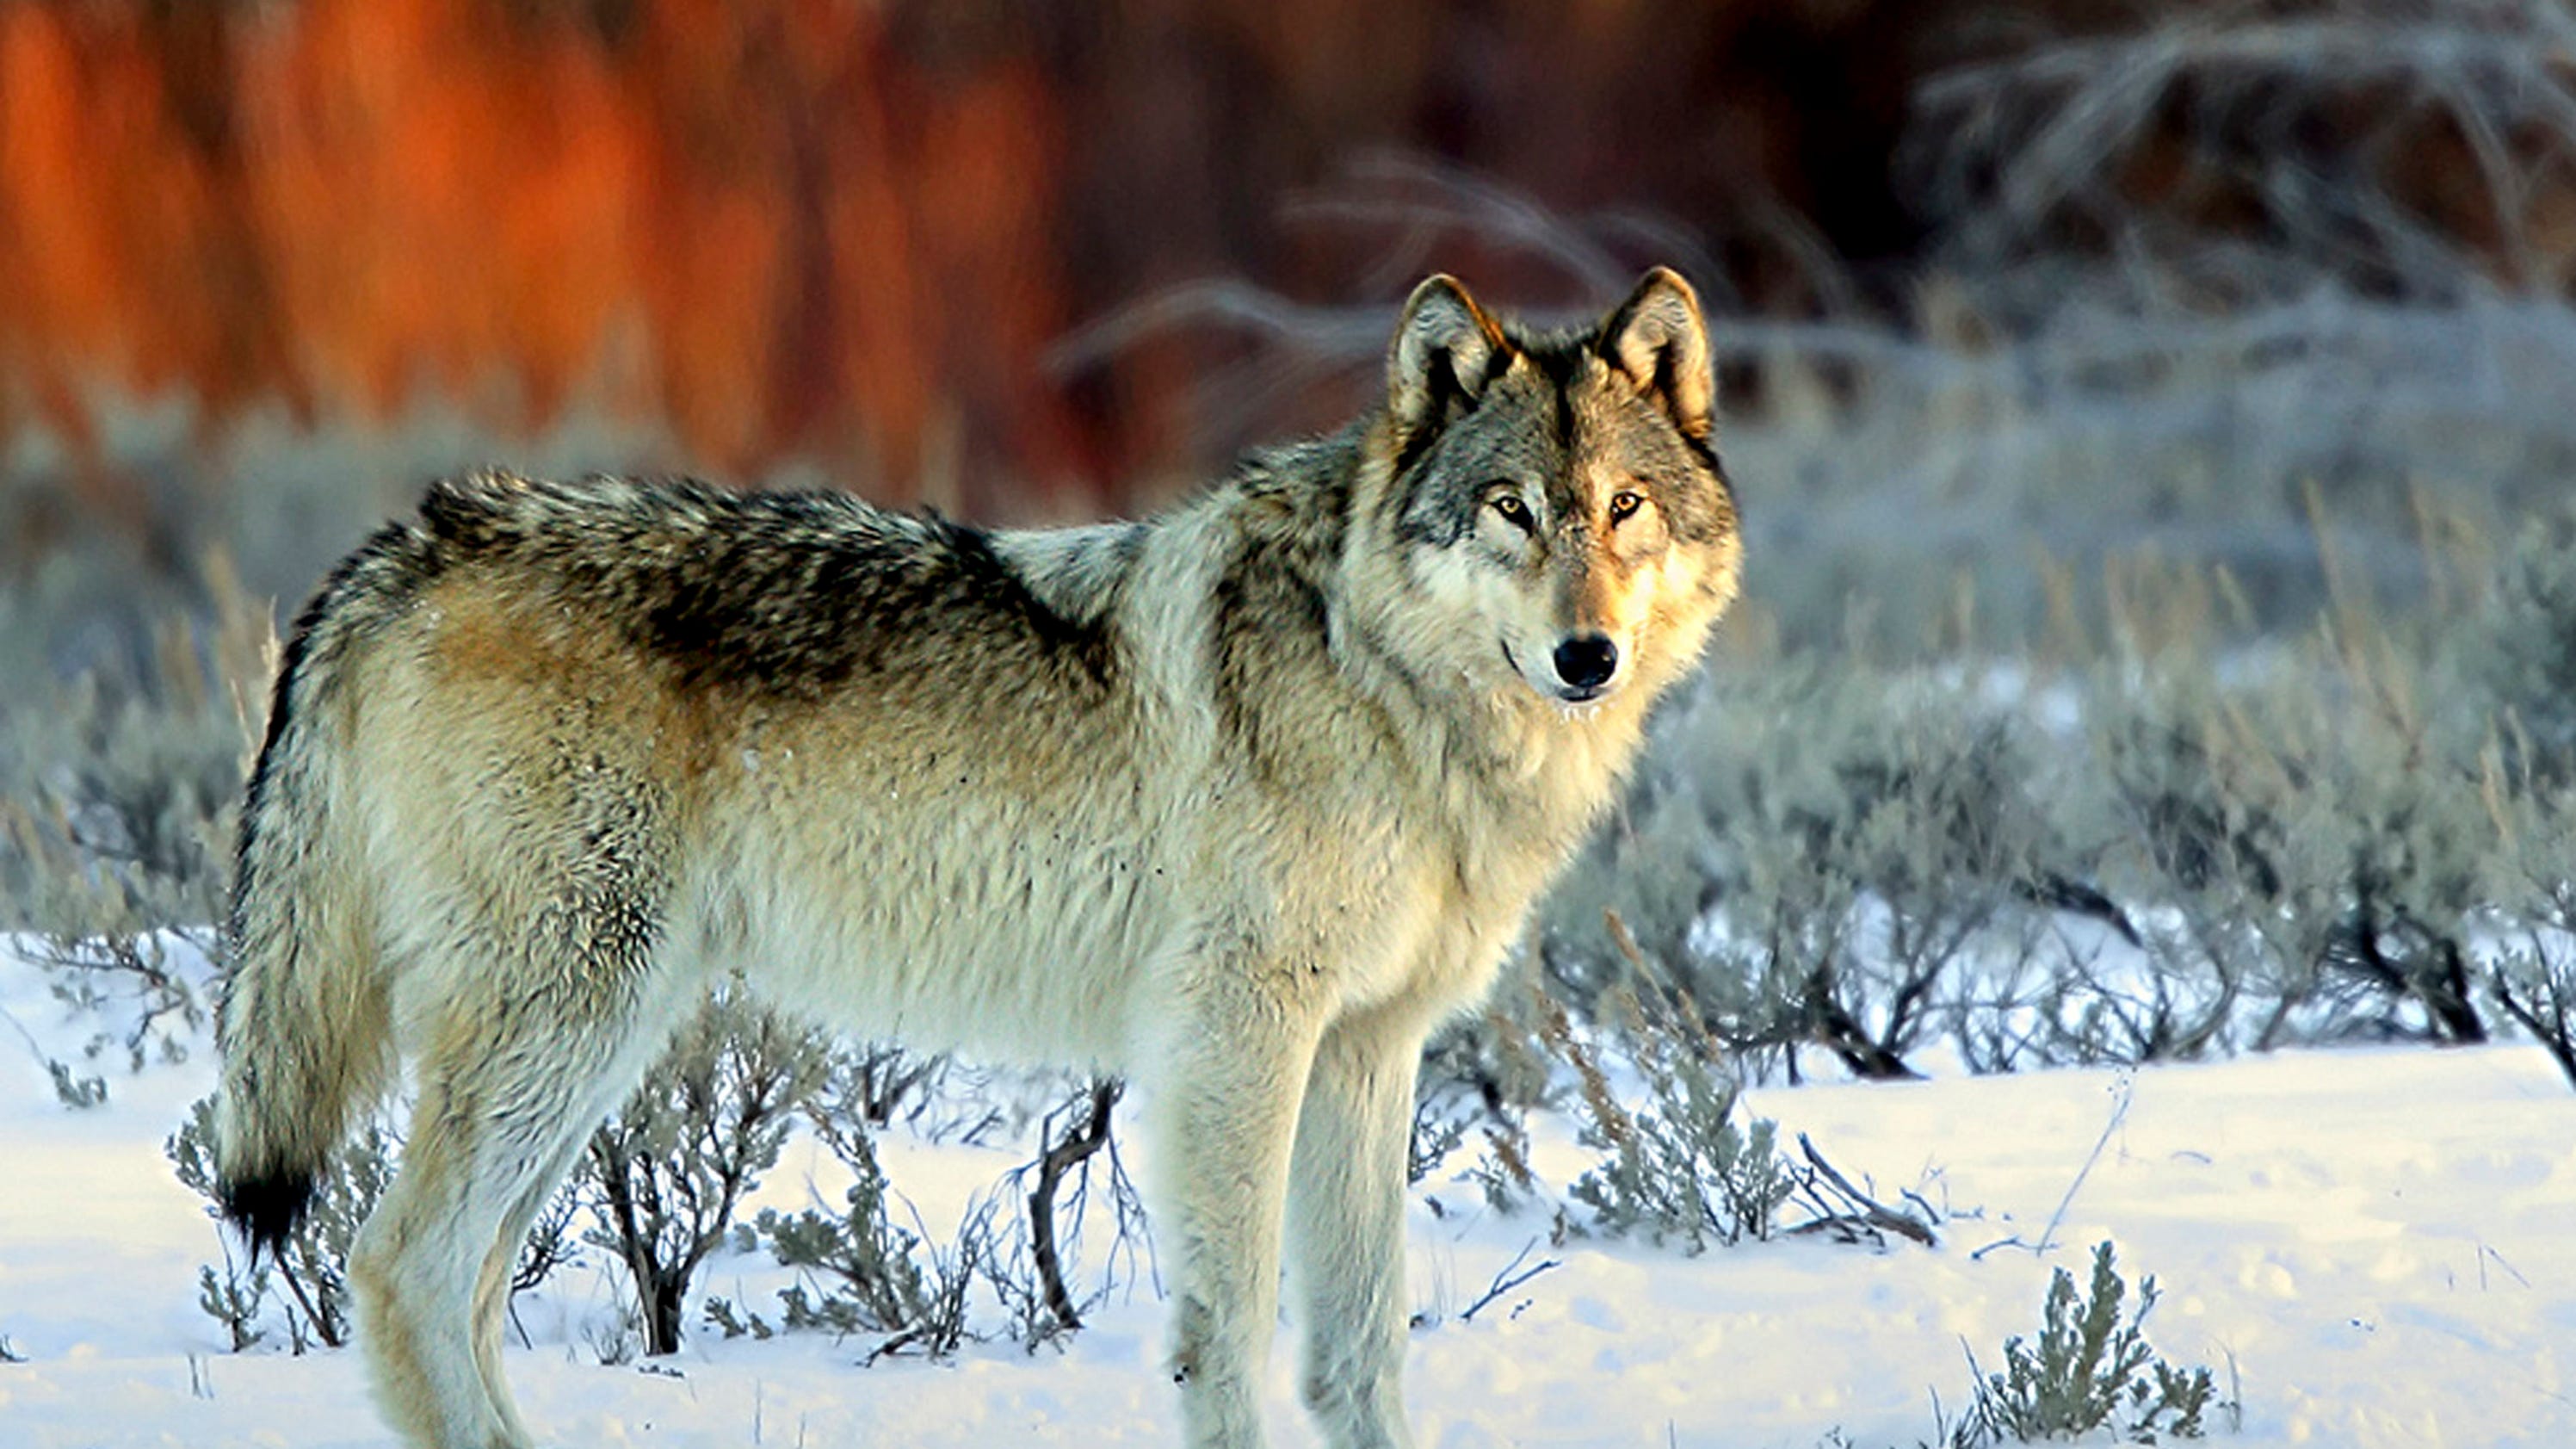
<point>2160,645</point>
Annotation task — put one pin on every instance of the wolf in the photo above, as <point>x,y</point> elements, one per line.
<point>1242,801</point>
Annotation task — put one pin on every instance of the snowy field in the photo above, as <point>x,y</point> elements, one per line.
<point>2380,1246</point>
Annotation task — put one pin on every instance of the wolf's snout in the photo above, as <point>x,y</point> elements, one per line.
<point>1587,661</point>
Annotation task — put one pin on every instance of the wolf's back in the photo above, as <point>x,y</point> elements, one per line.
<point>305,1025</point>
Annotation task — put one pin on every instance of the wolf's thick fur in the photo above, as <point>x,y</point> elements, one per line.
<point>1241,801</point>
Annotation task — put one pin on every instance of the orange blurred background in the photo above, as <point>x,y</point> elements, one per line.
<point>859,234</point>
<point>851,232</point>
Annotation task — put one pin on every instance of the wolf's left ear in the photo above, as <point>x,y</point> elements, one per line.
<point>1660,340</point>
<point>1444,346</point>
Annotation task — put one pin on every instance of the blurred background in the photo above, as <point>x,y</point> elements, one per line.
<point>2092,274</point>
<point>2048,328</point>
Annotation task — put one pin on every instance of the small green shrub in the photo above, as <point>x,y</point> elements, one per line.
<point>864,1274</point>
<point>73,1090</point>
<point>1681,1169</point>
<point>2089,1370</point>
<point>233,1298</point>
<point>724,1318</point>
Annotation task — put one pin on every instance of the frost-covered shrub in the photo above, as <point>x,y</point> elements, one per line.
<point>2522,648</point>
<point>1478,1082</point>
<point>2412,836</point>
<point>1436,1133</point>
<point>308,1284</point>
<point>860,1271</point>
<point>2299,838</point>
<point>2531,974</point>
<point>2202,853</point>
<point>121,768</point>
<point>1074,1141</point>
<point>663,1176</point>
<point>878,1083</point>
<point>148,1005</point>
<point>2517,672</point>
<point>2088,1370</point>
<point>1682,1168</point>
<point>2537,989</point>
<point>310,1278</point>
<point>1817,851</point>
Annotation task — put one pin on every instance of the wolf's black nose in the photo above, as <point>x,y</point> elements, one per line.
<point>1587,661</point>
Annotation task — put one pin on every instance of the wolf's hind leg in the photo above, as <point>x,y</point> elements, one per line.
<point>536,1186</point>
<point>506,1098</point>
<point>492,1288</point>
<point>1346,1229</point>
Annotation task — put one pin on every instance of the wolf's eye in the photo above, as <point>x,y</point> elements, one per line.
<point>1514,511</point>
<point>1623,503</point>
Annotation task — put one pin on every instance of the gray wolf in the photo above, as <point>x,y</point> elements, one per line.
<point>1242,801</point>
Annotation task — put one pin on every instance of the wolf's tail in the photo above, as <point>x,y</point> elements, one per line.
<point>306,1023</point>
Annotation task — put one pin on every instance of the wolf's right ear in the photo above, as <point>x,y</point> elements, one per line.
<point>1443,348</point>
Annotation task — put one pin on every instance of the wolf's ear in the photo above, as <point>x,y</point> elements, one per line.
<point>1443,347</point>
<point>1658,338</point>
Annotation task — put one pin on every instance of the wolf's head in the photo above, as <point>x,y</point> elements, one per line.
<point>1555,499</point>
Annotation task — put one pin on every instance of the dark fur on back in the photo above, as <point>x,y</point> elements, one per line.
<point>782,593</point>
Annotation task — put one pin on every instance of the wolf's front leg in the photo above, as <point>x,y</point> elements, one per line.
<point>1224,1117</point>
<point>1346,1228</point>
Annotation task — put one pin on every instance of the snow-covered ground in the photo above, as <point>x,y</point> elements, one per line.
<point>2382,1244</point>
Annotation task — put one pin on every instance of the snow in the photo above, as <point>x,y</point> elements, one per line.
<point>2380,1245</point>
